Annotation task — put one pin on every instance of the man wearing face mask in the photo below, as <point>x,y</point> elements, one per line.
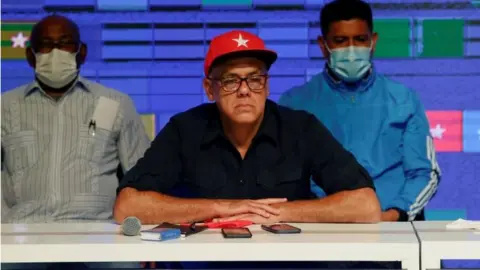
<point>63,136</point>
<point>380,121</point>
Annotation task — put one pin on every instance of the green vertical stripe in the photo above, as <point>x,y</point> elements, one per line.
<point>16,27</point>
<point>443,38</point>
<point>393,38</point>
<point>226,2</point>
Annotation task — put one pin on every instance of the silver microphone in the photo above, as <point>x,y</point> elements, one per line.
<point>131,226</point>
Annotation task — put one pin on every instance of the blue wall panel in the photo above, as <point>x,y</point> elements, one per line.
<point>169,86</point>
<point>122,5</point>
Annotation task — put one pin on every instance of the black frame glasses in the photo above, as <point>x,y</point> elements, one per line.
<point>232,84</point>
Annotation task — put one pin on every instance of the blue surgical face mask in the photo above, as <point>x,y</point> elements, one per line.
<point>350,63</point>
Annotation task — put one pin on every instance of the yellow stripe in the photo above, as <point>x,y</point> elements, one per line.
<point>13,53</point>
<point>149,123</point>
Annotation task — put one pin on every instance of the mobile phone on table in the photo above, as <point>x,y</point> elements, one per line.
<point>236,233</point>
<point>281,229</point>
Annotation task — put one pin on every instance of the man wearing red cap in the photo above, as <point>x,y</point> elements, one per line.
<point>245,157</point>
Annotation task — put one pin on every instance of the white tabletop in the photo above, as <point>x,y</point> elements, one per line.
<point>95,242</point>
<point>439,243</point>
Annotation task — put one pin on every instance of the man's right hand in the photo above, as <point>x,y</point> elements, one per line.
<point>262,207</point>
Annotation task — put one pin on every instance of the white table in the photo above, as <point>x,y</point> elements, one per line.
<point>438,243</point>
<point>94,242</point>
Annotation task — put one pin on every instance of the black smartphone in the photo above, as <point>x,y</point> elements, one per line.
<point>236,233</point>
<point>281,229</point>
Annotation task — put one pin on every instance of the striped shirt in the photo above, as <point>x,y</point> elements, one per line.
<point>59,163</point>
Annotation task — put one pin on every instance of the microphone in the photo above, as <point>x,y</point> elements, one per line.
<point>131,226</point>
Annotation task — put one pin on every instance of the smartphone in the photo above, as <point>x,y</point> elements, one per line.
<point>236,233</point>
<point>281,229</point>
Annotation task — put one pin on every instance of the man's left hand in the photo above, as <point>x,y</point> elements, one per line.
<point>257,219</point>
<point>390,215</point>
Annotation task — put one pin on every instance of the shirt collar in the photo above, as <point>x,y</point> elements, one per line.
<point>360,86</point>
<point>80,82</point>
<point>268,128</point>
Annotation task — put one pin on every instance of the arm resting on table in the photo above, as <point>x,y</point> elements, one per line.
<point>152,207</point>
<point>355,206</point>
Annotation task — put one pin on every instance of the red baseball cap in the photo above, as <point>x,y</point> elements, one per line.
<point>237,43</point>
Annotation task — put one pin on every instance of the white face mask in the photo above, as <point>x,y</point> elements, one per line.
<point>56,68</point>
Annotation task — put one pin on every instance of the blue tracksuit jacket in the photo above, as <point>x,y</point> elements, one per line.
<point>384,125</point>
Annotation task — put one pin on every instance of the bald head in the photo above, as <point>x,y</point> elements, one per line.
<point>55,27</point>
<point>56,31</point>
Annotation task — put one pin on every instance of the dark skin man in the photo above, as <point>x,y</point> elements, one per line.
<point>55,32</point>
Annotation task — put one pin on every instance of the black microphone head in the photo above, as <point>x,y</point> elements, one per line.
<point>131,226</point>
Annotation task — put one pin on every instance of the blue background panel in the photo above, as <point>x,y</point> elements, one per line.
<point>278,2</point>
<point>130,86</point>
<point>175,103</point>
<point>284,33</point>
<point>473,49</point>
<point>179,34</point>
<point>127,52</point>
<point>179,51</point>
<point>127,35</point>
<point>142,103</point>
<point>122,5</point>
<point>69,3</point>
<point>163,118</point>
<point>167,3</point>
<point>22,6</point>
<point>471,131</point>
<point>277,83</point>
<point>171,85</point>
<point>299,50</point>
<point>314,3</point>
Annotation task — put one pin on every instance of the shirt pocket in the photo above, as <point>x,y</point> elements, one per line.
<point>207,180</point>
<point>94,146</point>
<point>285,180</point>
<point>21,150</point>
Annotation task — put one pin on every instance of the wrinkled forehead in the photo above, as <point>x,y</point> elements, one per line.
<point>239,66</point>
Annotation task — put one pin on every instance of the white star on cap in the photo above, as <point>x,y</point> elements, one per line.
<point>240,41</point>
<point>437,132</point>
<point>19,40</point>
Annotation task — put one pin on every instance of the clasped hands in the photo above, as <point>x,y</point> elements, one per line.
<point>263,211</point>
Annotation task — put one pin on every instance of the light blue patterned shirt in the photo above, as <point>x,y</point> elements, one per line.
<point>57,166</point>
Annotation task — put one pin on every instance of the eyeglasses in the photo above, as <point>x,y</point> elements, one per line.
<point>46,46</point>
<point>233,83</point>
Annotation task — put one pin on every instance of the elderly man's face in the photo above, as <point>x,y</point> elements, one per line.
<point>240,89</point>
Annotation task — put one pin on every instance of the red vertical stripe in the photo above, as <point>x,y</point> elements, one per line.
<point>451,122</point>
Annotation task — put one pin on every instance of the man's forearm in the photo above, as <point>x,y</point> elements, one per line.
<point>154,208</point>
<point>360,206</point>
